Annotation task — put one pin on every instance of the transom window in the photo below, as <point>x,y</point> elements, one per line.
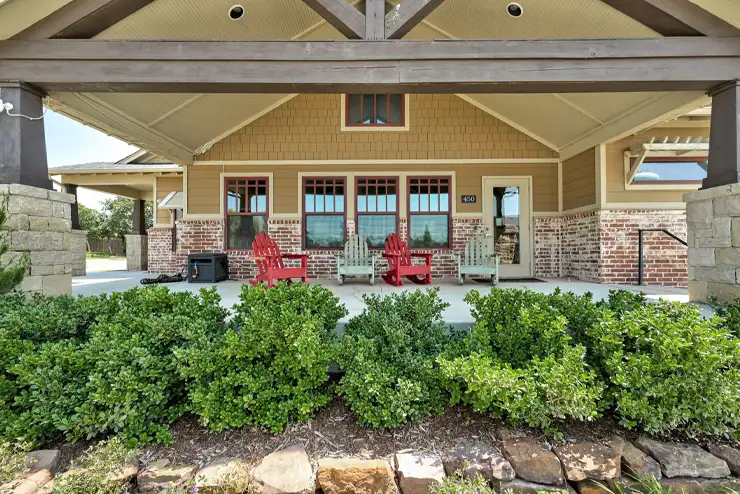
<point>375,110</point>
<point>323,207</point>
<point>429,212</point>
<point>246,211</point>
<point>377,208</point>
<point>671,170</point>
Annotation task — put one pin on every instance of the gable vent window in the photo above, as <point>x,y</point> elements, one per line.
<point>375,110</point>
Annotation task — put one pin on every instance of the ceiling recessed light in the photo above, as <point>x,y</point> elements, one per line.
<point>236,12</point>
<point>515,10</point>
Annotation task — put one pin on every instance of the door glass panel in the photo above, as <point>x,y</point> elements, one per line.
<point>507,237</point>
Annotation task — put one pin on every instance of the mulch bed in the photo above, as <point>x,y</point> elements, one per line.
<point>334,432</point>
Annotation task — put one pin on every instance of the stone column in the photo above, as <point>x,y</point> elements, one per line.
<point>713,213</point>
<point>137,244</point>
<point>39,229</point>
<point>713,220</point>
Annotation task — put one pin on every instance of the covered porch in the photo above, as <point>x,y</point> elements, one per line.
<point>350,294</point>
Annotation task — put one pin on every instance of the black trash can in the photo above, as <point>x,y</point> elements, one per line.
<point>207,268</point>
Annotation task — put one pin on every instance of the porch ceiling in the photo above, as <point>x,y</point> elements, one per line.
<point>179,125</point>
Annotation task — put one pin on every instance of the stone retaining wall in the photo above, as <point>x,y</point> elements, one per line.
<point>517,464</point>
<point>40,228</point>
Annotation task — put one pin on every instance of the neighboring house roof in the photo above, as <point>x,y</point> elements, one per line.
<point>115,168</point>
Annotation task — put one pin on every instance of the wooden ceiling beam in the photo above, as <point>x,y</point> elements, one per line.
<point>407,15</point>
<point>374,19</point>
<point>459,66</point>
<point>675,17</point>
<point>81,19</point>
<point>342,15</point>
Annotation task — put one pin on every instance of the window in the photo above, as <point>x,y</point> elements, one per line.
<point>363,110</point>
<point>323,208</point>
<point>246,211</point>
<point>671,170</point>
<point>377,209</point>
<point>429,212</point>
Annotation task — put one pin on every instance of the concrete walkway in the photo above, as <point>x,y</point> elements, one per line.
<point>458,313</point>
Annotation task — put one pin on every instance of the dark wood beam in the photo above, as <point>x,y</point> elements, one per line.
<point>407,15</point>
<point>527,66</point>
<point>23,146</point>
<point>675,17</point>
<point>81,19</point>
<point>724,139</point>
<point>374,19</point>
<point>342,15</point>
<point>72,189</point>
<point>138,226</point>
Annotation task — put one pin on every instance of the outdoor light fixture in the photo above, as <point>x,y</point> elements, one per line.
<point>515,10</point>
<point>236,12</point>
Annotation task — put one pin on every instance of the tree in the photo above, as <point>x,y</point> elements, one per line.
<point>92,221</point>
<point>10,275</point>
<point>118,215</point>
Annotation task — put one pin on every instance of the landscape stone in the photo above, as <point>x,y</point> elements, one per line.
<point>519,486</point>
<point>287,471</point>
<point>532,462</point>
<point>729,454</point>
<point>684,460</point>
<point>590,486</point>
<point>355,476</point>
<point>44,466</point>
<point>476,458</point>
<point>634,461</point>
<point>211,478</point>
<point>587,460</point>
<point>418,472</point>
<point>683,485</point>
<point>165,478</point>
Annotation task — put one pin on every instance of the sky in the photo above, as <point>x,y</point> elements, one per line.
<point>70,143</point>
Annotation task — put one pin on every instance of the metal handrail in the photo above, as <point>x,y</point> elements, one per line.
<point>641,264</point>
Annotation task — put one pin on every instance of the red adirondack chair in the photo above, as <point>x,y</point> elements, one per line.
<point>270,262</point>
<point>399,263</point>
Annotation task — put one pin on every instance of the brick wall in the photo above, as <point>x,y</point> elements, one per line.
<point>207,236</point>
<point>599,246</point>
<point>666,261</point>
<point>547,261</point>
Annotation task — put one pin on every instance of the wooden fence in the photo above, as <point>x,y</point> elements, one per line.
<point>113,246</point>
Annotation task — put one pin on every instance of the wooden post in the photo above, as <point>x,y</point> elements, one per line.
<point>22,143</point>
<point>72,189</point>
<point>374,19</point>
<point>139,223</point>
<point>724,137</point>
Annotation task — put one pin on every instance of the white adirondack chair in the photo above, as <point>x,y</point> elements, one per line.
<point>357,260</point>
<point>478,260</point>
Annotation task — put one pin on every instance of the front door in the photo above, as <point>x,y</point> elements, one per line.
<point>507,212</point>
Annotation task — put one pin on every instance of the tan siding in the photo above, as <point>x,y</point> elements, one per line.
<point>165,185</point>
<point>204,188</point>
<point>579,180</point>
<point>308,127</point>
<point>615,188</point>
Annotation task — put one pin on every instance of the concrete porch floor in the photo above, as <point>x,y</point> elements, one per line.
<point>458,313</point>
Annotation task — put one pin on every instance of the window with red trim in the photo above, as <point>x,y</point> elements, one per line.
<point>323,209</point>
<point>246,210</point>
<point>377,208</point>
<point>375,110</point>
<point>429,212</point>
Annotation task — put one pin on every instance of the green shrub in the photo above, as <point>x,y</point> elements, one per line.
<point>730,316</point>
<point>389,356</point>
<point>457,484</point>
<point>13,461</point>
<point>115,374</point>
<point>271,368</point>
<point>96,470</point>
<point>522,363</point>
<point>671,370</point>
